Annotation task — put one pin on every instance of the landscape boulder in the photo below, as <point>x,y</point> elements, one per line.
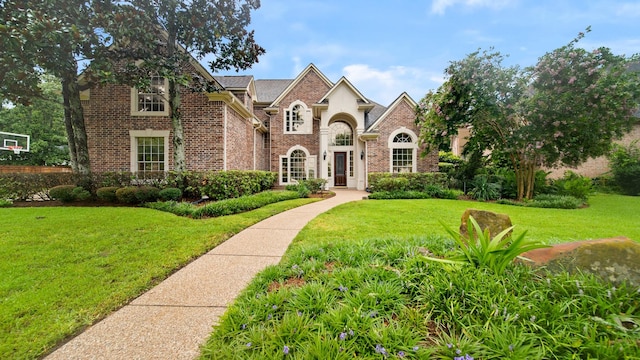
<point>614,260</point>
<point>487,220</point>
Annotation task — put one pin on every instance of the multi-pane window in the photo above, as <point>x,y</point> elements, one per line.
<point>402,153</point>
<point>294,119</point>
<point>297,165</point>
<point>340,134</point>
<point>402,160</point>
<point>152,99</point>
<point>150,155</point>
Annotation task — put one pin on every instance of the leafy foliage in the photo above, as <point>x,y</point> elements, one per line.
<point>575,185</point>
<point>170,194</point>
<point>625,166</point>
<point>69,193</point>
<point>483,189</point>
<point>482,251</point>
<point>567,108</point>
<point>414,181</point>
<point>221,185</point>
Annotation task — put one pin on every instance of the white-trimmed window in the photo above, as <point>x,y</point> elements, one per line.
<point>149,150</point>
<point>297,119</point>
<point>340,134</point>
<point>151,101</point>
<point>403,151</point>
<point>297,165</point>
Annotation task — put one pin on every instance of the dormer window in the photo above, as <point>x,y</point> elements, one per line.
<point>297,119</point>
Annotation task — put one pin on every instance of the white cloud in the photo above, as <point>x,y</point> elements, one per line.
<point>440,6</point>
<point>384,86</point>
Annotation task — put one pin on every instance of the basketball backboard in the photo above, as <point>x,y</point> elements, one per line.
<point>14,142</point>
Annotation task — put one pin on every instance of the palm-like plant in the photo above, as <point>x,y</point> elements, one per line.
<point>480,250</point>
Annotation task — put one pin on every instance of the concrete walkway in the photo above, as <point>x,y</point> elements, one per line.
<point>173,319</point>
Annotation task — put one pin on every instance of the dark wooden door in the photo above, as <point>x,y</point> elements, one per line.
<point>340,176</point>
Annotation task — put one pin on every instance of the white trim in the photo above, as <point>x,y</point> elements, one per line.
<point>224,141</point>
<point>412,145</point>
<point>133,143</point>
<point>311,164</point>
<point>134,103</point>
<point>305,113</point>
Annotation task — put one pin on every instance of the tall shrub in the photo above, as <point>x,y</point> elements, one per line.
<point>625,166</point>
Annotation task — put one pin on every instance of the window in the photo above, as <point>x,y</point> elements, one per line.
<point>340,134</point>
<point>403,151</point>
<point>297,119</point>
<point>297,165</point>
<point>402,161</point>
<point>350,163</point>
<point>149,150</point>
<point>150,154</point>
<point>150,101</point>
<point>266,140</point>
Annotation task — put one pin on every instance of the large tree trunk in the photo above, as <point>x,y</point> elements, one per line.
<point>70,138</point>
<point>525,171</point>
<point>74,120</point>
<point>179,157</point>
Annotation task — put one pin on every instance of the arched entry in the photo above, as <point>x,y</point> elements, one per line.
<point>341,143</point>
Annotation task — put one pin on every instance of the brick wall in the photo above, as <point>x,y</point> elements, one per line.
<point>378,159</point>
<point>25,169</point>
<point>598,166</point>
<point>309,90</point>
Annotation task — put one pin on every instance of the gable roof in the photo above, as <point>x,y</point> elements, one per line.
<point>297,80</point>
<point>343,80</point>
<point>268,90</point>
<point>234,82</point>
<point>404,97</point>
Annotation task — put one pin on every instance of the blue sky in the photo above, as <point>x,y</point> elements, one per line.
<point>385,47</point>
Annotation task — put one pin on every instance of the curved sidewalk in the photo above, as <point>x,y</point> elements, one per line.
<point>173,319</point>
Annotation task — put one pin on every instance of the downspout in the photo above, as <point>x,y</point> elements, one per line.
<point>255,132</point>
<point>224,141</point>
<point>366,165</point>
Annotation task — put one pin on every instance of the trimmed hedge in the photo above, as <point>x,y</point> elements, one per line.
<point>407,181</point>
<point>170,194</point>
<point>222,185</point>
<point>107,194</point>
<point>69,193</point>
<point>216,185</point>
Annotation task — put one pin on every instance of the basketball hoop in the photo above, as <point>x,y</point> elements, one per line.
<point>16,149</point>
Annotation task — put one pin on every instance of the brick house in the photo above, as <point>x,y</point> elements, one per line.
<point>307,127</point>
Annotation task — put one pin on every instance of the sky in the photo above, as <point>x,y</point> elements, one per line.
<point>386,47</point>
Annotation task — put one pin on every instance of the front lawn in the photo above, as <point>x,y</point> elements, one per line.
<point>355,285</point>
<point>64,268</point>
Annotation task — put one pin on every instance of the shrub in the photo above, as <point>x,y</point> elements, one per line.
<point>170,194</point>
<point>625,166</point>
<point>573,184</point>
<point>69,193</point>
<point>301,189</point>
<point>127,195</point>
<point>107,193</point>
<point>146,194</point>
<point>483,189</point>
<point>555,202</point>
<point>416,181</point>
<point>392,184</point>
<point>387,195</point>
<point>482,251</point>
<point>222,185</point>
<point>314,185</point>
<point>5,203</point>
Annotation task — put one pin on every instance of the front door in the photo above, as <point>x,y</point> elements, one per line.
<point>340,174</point>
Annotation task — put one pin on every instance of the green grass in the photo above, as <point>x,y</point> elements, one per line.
<point>356,285</point>
<point>607,216</point>
<point>64,268</point>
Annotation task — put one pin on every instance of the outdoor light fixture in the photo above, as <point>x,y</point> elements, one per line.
<point>324,155</point>
<point>361,154</point>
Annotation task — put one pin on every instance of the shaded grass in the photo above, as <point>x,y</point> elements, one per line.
<point>64,268</point>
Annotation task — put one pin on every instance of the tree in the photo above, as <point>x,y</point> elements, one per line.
<point>43,120</point>
<point>54,36</point>
<point>567,108</point>
<point>192,28</point>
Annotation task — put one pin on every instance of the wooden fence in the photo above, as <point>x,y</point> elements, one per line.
<point>12,169</point>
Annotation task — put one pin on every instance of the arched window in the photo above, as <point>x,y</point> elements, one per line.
<point>403,152</point>
<point>297,165</point>
<point>297,119</point>
<point>340,134</point>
